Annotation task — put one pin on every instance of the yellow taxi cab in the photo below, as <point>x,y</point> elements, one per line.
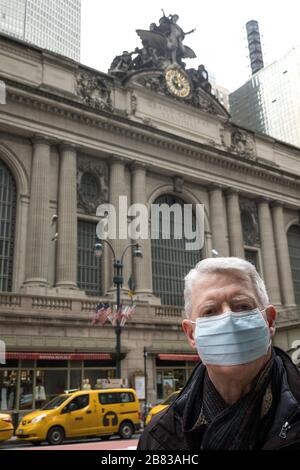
<point>161,406</point>
<point>83,413</point>
<point>6,427</point>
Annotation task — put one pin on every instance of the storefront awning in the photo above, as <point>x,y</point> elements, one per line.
<point>179,357</point>
<point>45,356</point>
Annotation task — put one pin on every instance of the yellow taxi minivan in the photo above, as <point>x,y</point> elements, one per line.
<point>83,413</point>
<point>6,427</point>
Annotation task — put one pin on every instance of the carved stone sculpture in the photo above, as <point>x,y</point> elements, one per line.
<point>94,91</point>
<point>92,184</point>
<point>242,143</point>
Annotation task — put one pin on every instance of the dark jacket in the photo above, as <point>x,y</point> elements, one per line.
<point>165,431</point>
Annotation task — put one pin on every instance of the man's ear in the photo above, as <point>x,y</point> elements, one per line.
<point>188,329</point>
<point>271,317</point>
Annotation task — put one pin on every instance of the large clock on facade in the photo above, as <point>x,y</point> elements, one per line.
<point>178,83</point>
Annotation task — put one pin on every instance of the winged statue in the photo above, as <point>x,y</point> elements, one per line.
<point>167,39</point>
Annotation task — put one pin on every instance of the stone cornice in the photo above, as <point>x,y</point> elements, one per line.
<point>121,125</point>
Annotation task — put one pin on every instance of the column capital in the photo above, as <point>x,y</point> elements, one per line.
<point>136,165</point>
<point>113,158</point>
<point>277,203</point>
<point>232,191</point>
<point>263,200</point>
<point>216,186</point>
<point>43,139</point>
<point>68,146</point>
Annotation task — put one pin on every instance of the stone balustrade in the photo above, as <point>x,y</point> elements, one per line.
<point>40,307</point>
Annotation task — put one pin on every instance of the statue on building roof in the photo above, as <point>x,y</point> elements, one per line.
<point>167,38</point>
<point>162,47</point>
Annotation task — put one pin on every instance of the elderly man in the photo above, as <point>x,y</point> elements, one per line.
<point>244,394</point>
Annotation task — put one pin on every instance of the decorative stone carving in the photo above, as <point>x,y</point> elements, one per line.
<point>94,91</point>
<point>92,184</point>
<point>133,102</point>
<point>198,98</point>
<point>178,184</point>
<point>154,82</point>
<point>249,219</point>
<point>242,143</point>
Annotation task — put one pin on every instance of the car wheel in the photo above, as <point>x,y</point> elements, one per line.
<point>126,430</point>
<point>55,436</point>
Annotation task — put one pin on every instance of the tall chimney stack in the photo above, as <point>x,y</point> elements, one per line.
<point>254,46</point>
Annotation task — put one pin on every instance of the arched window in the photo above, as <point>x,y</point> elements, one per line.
<point>170,259</point>
<point>8,197</point>
<point>89,266</point>
<point>294,249</point>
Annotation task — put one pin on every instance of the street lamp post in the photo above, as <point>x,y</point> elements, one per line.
<point>118,283</point>
<point>146,383</point>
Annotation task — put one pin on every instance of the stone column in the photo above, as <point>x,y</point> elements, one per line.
<point>66,265</point>
<point>283,256</point>
<point>236,239</point>
<point>268,251</point>
<point>142,267</point>
<point>38,232</point>
<point>218,221</point>
<point>117,188</point>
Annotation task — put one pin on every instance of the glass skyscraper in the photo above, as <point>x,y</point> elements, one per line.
<point>270,101</point>
<point>50,24</point>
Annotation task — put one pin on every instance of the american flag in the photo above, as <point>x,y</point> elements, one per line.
<point>126,314</point>
<point>103,311</point>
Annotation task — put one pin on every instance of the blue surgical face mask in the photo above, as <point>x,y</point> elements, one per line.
<point>232,338</point>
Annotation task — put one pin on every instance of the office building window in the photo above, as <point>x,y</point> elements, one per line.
<point>8,196</point>
<point>170,259</point>
<point>89,267</point>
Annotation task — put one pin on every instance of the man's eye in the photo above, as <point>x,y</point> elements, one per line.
<point>242,307</point>
<point>210,311</point>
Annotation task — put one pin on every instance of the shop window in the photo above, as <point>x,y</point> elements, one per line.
<point>10,364</point>
<point>98,363</point>
<point>48,364</point>
<point>75,379</point>
<point>169,380</point>
<point>54,382</point>
<point>94,375</point>
<point>8,386</point>
<point>26,390</point>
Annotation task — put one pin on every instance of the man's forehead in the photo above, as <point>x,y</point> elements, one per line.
<point>215,284</point>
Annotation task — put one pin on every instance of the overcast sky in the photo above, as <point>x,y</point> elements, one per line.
<point>108,28</point>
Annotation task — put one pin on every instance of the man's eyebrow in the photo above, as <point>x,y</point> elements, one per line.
<point>236,296</point>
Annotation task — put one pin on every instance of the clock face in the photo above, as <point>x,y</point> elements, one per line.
<point>178,83</point>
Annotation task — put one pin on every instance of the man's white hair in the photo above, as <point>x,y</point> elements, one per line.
<point>230,265</point>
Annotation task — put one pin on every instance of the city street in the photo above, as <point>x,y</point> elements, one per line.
<point>115,443</point>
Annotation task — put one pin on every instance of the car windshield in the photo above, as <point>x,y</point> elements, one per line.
<point>56,402</point>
